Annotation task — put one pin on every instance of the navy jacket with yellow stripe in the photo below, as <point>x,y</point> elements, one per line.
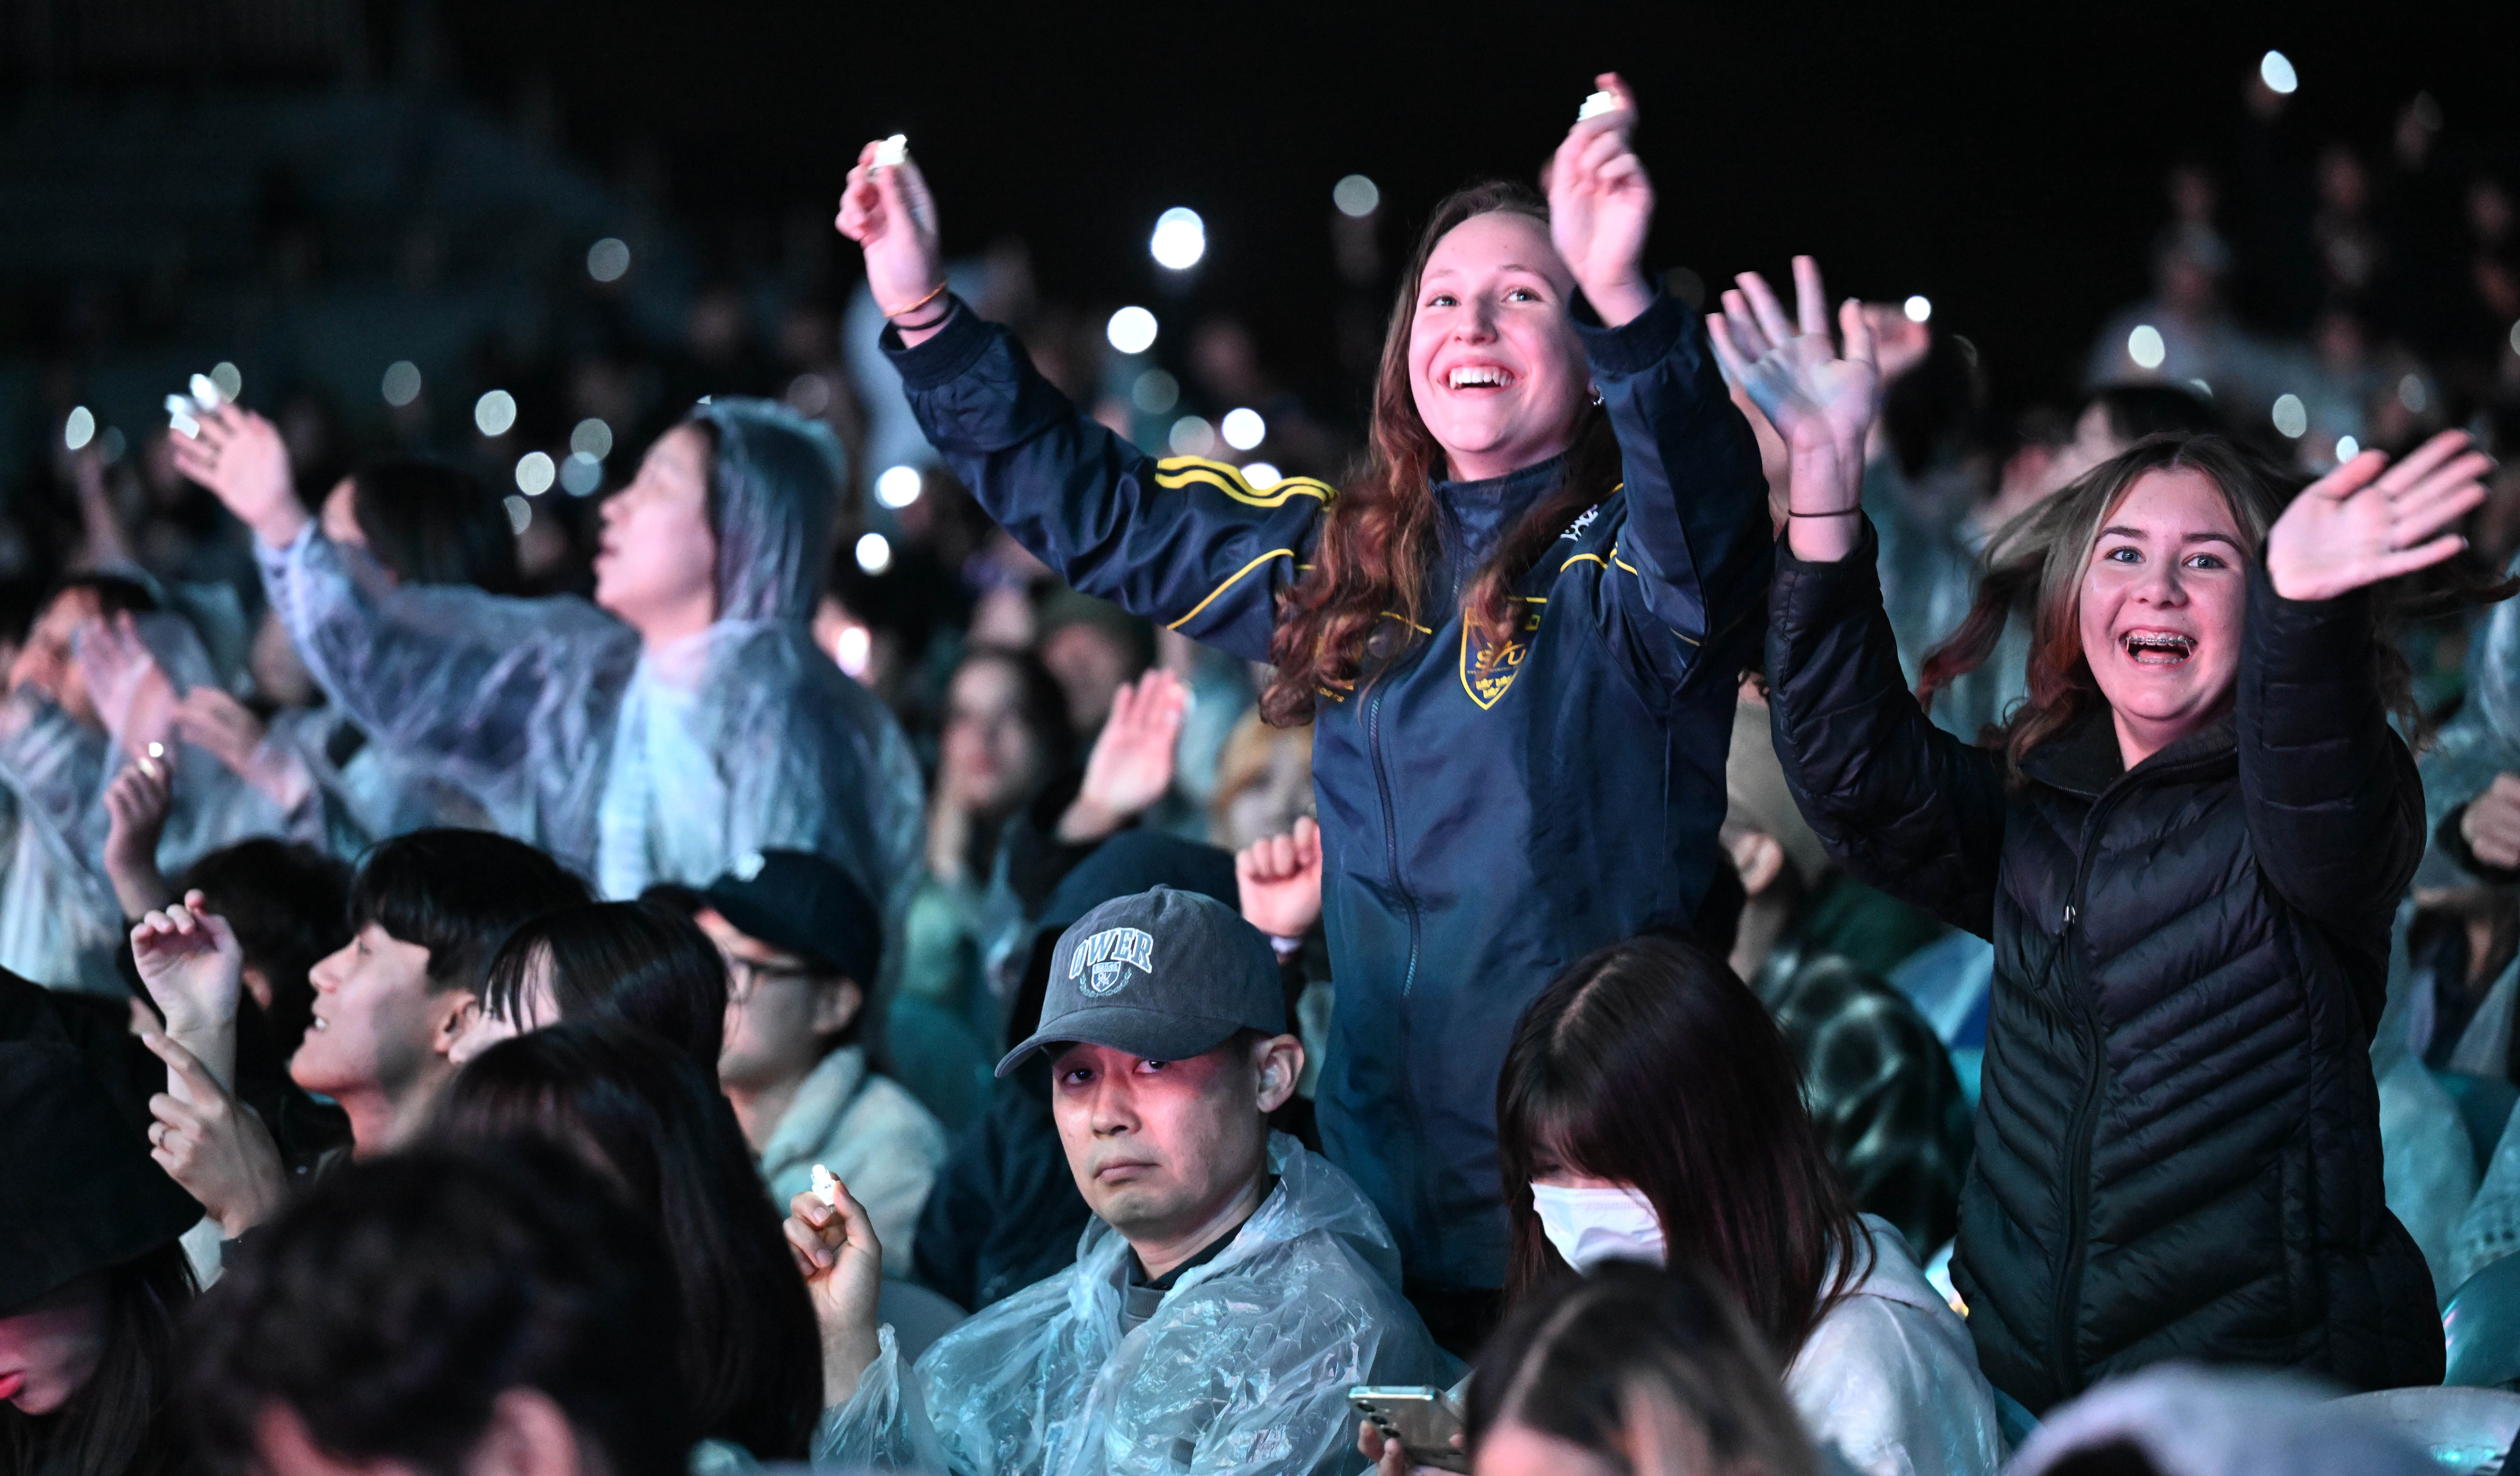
<point>1488,816</point>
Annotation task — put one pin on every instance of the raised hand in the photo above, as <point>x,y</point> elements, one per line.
<point>2368,521</point>
<point>1813,394</point>
<point>136,805</point>
<point>240,455</point>
<point>2490,824</point>
<point>888,211</point>
<point>1601,205</point>
<point>210,719</point>
<point>211,1145</point>
<point>1280,881</point>
<point>190,962</point>
<point>1131,762</point>
<point>131,691</point>
<point>842,1263</point>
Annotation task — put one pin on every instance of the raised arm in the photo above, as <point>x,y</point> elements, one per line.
<point>1186,542</point>
<point>1691,558</point>
<point>2334,804</point>
<point>1904,805</point>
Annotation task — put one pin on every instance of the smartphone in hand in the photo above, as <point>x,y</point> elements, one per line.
<point>1421,1417</point>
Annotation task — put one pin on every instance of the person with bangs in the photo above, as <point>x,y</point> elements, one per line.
<point>2187,846</point>
<point>1515,631</point>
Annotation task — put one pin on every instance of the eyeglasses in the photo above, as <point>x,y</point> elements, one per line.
<point>745,975</point>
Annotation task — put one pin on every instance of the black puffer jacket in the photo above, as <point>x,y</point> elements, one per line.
<point>2179,1142</point>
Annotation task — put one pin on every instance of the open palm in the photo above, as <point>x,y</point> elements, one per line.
<point>1812,393</point>
<point>2368,521</point>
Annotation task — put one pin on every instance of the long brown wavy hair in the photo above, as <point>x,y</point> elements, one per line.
<point>1364,599</point>
<point>2033,567</point>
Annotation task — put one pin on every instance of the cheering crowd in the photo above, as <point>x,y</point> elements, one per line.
<point>1680,914</point>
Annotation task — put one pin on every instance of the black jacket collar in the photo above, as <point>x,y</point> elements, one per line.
<point>2084,759</point>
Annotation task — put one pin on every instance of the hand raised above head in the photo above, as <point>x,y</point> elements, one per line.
<point>191,964</point>
<point>2369,520</point>
<point>1602,204</point>
<point>240,455</point>
<point>888,211</point>
<point>1280,881</point>
<point>1131,762</point>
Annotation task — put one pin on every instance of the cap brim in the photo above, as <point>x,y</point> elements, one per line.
<point>1148,1034</point>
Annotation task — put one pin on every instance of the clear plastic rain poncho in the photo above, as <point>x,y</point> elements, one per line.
<point>1889,1379</point>
<point>59,924</point>
<point>635,766</point>
<point>2482,741</point>
<point>1245,1365</point>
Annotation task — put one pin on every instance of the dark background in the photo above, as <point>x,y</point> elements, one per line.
<point>2007,162</point>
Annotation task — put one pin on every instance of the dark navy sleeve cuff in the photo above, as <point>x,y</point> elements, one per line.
<point>944,358</point>
<point>1638,344</point>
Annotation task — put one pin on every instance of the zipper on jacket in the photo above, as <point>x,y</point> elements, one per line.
<point>1391,837</point>
<point>2062,1359</point>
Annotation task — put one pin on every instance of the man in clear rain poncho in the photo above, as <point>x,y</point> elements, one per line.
<point>1230,1290</point>
<point>683,720</point>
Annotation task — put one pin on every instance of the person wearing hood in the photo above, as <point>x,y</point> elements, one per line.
<point>92,1278</point>
<point>1229,1291</point>
<point>684,720</point>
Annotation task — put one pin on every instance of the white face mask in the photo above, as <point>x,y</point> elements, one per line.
<point>1592,1226</point>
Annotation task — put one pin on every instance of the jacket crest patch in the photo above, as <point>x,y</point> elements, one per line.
<point>1488,671</point>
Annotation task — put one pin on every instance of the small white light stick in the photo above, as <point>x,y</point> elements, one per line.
<point>179,416</point>
<point>207,391</point>
<point>149,760</point>
<point>827,1187</point>
<point>1597,104</point>
<point>892,151</point>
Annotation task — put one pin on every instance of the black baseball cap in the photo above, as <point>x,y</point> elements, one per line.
<point>1161,974</point>
<point>806,904</point>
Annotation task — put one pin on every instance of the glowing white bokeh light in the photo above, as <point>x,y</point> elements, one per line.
<point>1919,308</point>
<point>592,438</point>
<point>521,514</point>
<point>2347,448</point>
<point>2291,416</point>
<point>1244,428</point>
<point>851,649</point>
<point>2145,348</point>
<point>2274,68</point>
<point>1262,476</point>
<point>79,428</point>
<point>207,391</point>
<point>1131,330</point>
<point>2515,335</point>
<point>402,382</point>
<point>2412,394</point>
<point>609,259</point>
<point>2202,387</point>
<point>1192,436</point>
<point>1155,392</point>
<point>1180,238</point>
<point>581,474</point>
<point>535,472</point>
<point>495,412</point>
<point>898,487</point>
<point>1356,196</point>
<point>874,553</point>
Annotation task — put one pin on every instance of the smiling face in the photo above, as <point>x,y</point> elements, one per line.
<point>656,563</point>
<point>1495,368</point>
<point>1159,1147</point>
<point>2161,606</point>
<point>379,1020</point>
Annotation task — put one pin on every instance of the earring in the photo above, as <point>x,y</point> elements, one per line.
<point>1596,393</point>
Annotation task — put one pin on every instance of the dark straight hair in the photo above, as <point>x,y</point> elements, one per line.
<point>641,961</point>
<point>1647,1062</point>
<point>1655,1372</point>
<point>456,893</point>
<point>751,1354</point>
<point>121,1421</point>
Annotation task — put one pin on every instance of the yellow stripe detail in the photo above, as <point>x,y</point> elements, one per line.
<point>1578,558</point>
<point>1405,620</point>
<point>1177,472</point>
<point>1229,584</point>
